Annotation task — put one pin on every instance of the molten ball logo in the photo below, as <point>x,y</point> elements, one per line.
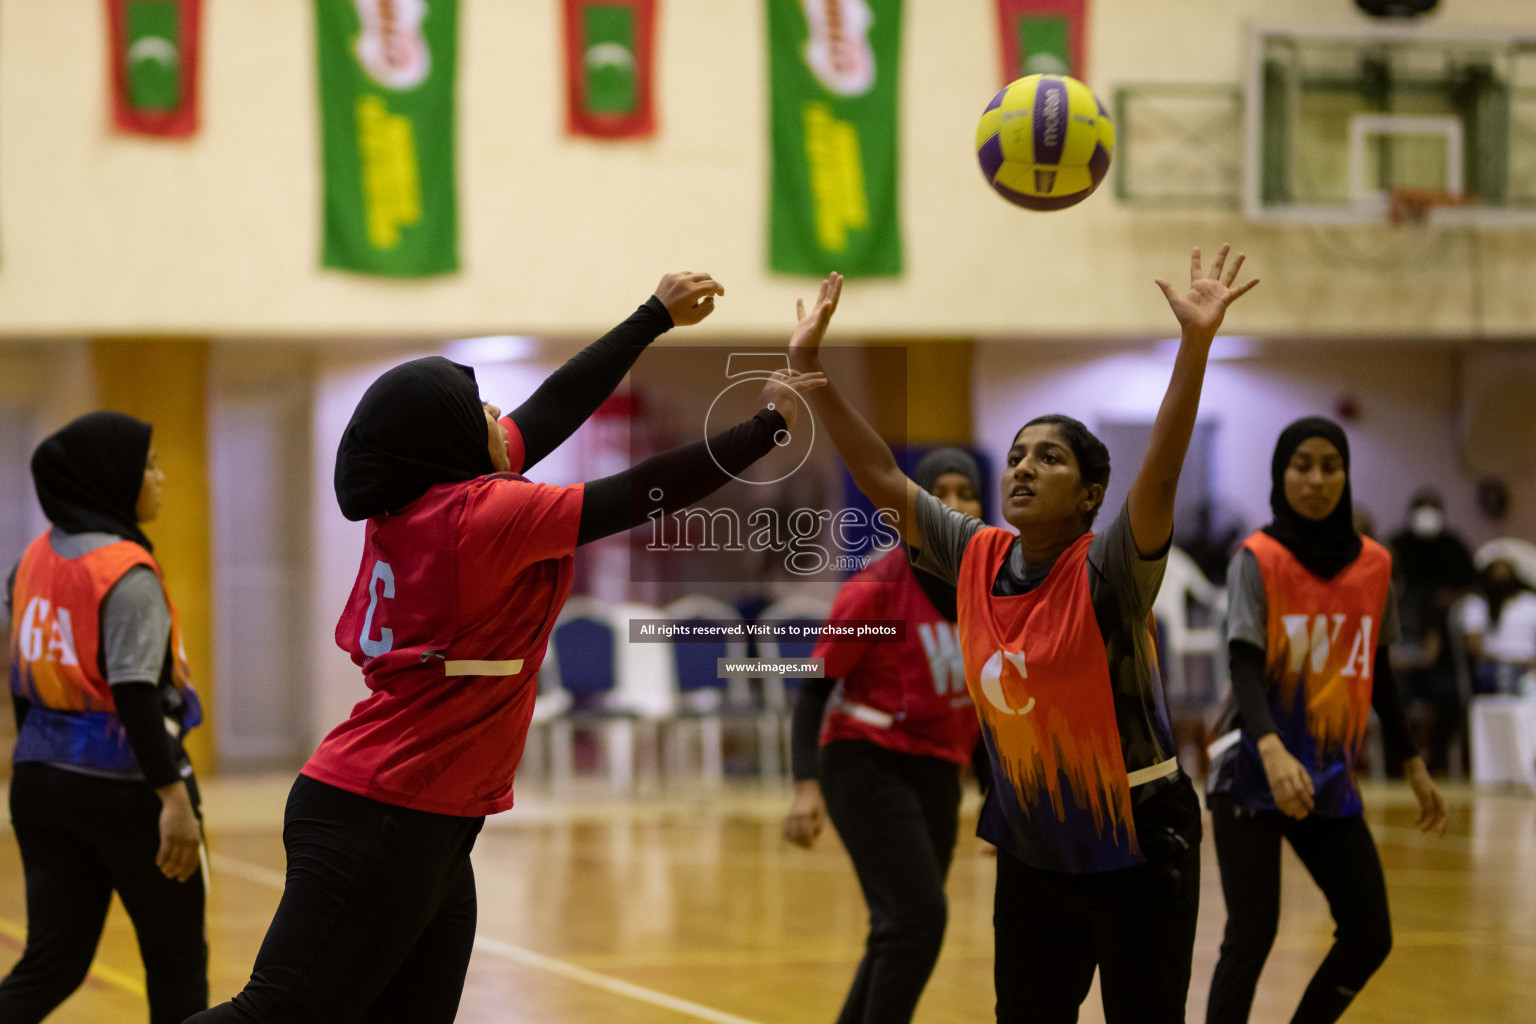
<point>1052,131</point>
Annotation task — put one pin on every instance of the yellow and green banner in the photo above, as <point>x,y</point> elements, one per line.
<point>833,68</point>
<point>387,113</point>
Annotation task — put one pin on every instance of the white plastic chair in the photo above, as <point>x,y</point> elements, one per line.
<point>703,711</point>
<point>551,704</point>
<point>1183,582</point>
<point>642,694</point>
<point>774,730</point>
<point>1503,734</point>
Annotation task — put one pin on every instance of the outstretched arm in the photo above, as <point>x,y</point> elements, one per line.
<point>678,478</point>
<point>870,462</point>
<point>572,393</point>
<point>1200,312</point>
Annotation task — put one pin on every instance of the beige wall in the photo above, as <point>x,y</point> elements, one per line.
<point>102,233</point>
<point>1414,408</point>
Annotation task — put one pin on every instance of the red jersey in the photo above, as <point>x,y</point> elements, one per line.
<point>908,696</point>
<point>1038,671</point>
<point>449,619</point>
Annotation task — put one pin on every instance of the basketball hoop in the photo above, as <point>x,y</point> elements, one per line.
<point>1412,205</point>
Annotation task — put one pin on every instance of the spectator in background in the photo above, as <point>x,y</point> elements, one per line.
<point>1427,555</point>
<point>1434,569</point>
<point>1500,625</point>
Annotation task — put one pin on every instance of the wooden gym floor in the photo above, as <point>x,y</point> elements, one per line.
<point>685,909</point>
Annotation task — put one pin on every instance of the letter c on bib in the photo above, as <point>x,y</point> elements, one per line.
<point>992,682</point>
<point>386,641</point>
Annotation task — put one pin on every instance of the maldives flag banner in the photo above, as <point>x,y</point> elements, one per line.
<point>609,72</point>
<point>386,110</point>
<point>1042,37</point>
<point>833,70</point>
<point>154,65</point>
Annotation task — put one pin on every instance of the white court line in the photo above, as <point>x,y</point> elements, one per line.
<point>517,954</point>
<point>529,958</point>
<point>250,872</point>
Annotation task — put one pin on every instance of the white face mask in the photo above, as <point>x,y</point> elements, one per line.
<point>1426,521</point>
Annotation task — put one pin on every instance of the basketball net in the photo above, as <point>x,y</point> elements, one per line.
<point>1412,205</point>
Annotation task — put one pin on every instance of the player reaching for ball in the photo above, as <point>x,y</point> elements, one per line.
<point>892,735</point>
<point>464,568</point>
<point>1097,828</point>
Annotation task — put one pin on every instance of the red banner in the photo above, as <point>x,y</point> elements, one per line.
<point>154,65</point>
<point>608,67</point>
<point>1043,37</point>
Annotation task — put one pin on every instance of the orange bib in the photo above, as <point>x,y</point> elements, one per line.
<point>1037,671</point>
<point>56,656</point>
<point>1320,649</point>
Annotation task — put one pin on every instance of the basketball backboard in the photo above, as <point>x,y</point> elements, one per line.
<point>1339,120</point>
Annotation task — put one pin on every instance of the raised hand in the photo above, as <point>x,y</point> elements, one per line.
<point>780,391</point>
<point>805,343</point>
<point>689,297</point>
<point>1202,309</point>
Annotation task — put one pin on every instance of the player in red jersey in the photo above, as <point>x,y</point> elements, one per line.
<point>1097,828</point>
<point>465,566</point>
<point>893,735</point>
<point>1311,615</point>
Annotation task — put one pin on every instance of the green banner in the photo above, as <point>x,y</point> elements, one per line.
<point>386,109</point>
<point>612,87</point>
<point>833,68</point>
<point>1045,44</point>
<point>154,79</point>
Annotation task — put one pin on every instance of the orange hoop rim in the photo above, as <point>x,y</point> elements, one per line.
<point>1412,205</point>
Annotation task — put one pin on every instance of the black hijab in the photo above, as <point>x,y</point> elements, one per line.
<point>1326,547</point>
<point>89,473</point>
<point>927,472</point>
<point>418,425</point>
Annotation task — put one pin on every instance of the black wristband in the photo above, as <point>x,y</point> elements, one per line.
<point>1396,742</point>
<point>143,717</point>
<point>805,727</point>
<point>1247,664</point>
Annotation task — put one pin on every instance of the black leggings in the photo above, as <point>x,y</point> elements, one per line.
<point>898,815</point>
<point>377,919</point>
<point>1137,926</point>
<point>1341,857</point>
<point>81,837</point>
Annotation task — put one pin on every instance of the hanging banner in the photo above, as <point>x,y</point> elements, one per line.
<point>154,65</point>
<point>833,68</point>
<point>386,112</point>
<point>608,68</point>
<point>1042,37</point>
